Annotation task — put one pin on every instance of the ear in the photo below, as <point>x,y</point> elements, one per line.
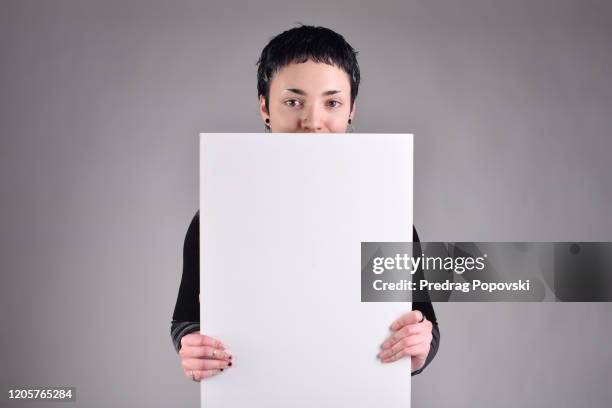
<point>352,114</point>
<point>262,109</point>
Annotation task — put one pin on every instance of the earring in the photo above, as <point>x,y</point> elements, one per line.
<point>267,127</point>
<point>350,129</point>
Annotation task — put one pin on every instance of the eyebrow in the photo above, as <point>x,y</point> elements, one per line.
<point>302,92</point>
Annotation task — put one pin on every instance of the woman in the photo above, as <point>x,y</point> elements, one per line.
<point>307,81</point>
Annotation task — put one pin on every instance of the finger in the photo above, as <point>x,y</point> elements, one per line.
<point>413,350</point>
<point>403,343</point>
<point>204,352</point>
<point>202,374</point>
<point>197,339</point>
<point>188,374</point>
<point>412,317</point>
<point>404,332</point>
<point>199,375</point>
<point>207,373</point>
<point>204,364</point>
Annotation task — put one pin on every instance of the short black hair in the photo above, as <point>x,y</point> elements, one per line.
<point>301,44</point>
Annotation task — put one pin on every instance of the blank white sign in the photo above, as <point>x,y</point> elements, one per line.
<point>282,218</point>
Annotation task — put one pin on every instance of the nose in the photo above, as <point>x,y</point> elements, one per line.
<point>313,119</point>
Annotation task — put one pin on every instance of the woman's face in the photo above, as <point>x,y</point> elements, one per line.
<point>309,97</point>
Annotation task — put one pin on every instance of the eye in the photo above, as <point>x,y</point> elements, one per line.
<point>293,103</point>
<point>334,103</point>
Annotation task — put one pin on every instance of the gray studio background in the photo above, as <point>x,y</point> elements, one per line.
<point>101,104</point>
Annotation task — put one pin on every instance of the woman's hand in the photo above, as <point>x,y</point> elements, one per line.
<point>203,356</point>
<point>412,337</point>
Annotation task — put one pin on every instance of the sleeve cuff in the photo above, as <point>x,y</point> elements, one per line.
<point>180,329</point>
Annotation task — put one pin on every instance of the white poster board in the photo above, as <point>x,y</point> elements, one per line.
<point>282,217</point>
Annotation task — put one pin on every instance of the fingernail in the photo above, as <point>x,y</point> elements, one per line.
<point>221,369</point>
<point>229,364</point>
<point>230,356</point>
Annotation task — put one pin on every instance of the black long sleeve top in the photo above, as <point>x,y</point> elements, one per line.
<point>186,317</point>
